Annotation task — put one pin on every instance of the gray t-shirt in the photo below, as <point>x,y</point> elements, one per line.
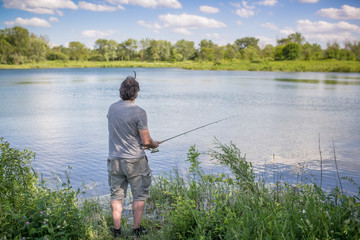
<point>124,121</point>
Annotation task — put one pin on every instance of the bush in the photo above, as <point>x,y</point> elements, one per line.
<point>29,209</point>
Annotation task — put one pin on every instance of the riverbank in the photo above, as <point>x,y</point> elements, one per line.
<point>235,65</point>
<point>197,206</point>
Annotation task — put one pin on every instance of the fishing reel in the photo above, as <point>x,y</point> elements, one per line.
<point>154,150</point>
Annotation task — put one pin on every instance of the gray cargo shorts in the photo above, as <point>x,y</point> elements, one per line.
<point>135,171</point>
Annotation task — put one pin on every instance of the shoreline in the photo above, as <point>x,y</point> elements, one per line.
<point>235,65</point>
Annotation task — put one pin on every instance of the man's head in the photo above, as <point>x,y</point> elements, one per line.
<point>129,89</point>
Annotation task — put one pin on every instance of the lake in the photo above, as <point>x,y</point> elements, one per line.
<point>282,120</point>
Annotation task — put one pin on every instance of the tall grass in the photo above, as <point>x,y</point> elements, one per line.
<point>195,206</point>
<point>240,207</point>
<point>242,65</point>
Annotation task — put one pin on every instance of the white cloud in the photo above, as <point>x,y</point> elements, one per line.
<point>247,6</point>
<point>326,27</point>
<point>270,25</point>
<point>213,35</point>
<point>97,34</point>
<point>263,41</point>
<point>208,9</point>
<point>239,22</point>
<point>37,22</point>
<point>183,23</point>
<point>324,32</point>
<point>308,1</point>
<point>149,3</point>
<point>287,31</point>
<point>96,8</point>
<point>53,19</point>
<point>237,5</point>
<point>245,13</point>
<point>182,31</point>
<point>345,13</point>
<point>190,21</point>
<point>155,27</point>
<point>268,2</point>
<point>39,6</point>
<point>60,13</point>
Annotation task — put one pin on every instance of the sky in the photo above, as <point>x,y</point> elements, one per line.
<point>222,22</point>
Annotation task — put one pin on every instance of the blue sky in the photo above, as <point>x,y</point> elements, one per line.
<point>63,21</point>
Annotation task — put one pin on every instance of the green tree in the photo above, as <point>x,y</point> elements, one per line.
<point>153,51</point>
<point>207,50</point>
<point>101,47</point>
<point>38,49</point>
<point>5,49</point>
<point>164,50</point>
<point>332,51</point>
<point>311,51</point>
<point>53,54</point>
<point>230,52</point>
<point>296,38</point>
<point>283,41</point>
<point>78,51</point>
<point>130,47</point>
<point>186,49</point>
<point>19,39</point>
<point>268,51</point>
<point>291,51</point>
<point>251,53</point>
<point>246,42</point>
<point>293,37</point>
<point>278,52</point>
<point>111,48</point>
<point>354,47</point>
<point>121,51</point>
<point>144,44</point>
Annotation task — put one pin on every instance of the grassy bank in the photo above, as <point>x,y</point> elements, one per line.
<point>287,66</point>
<point>198,206</point>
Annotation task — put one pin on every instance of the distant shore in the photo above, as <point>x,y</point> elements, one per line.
<point>235,65</point>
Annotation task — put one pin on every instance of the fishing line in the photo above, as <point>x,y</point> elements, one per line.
<point>154,150</point>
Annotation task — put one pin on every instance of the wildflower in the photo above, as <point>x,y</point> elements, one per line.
<point>27,223</point>
<point>44,222</point>
<point>41,212</point>
<point>303,211</point>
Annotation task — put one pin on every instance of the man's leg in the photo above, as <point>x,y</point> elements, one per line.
<point>116,209</point>
<point>138,209</point>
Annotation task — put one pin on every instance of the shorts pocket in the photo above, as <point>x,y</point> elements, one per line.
<point>146,179</point>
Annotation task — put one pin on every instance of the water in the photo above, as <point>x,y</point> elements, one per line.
<point>61,115</point>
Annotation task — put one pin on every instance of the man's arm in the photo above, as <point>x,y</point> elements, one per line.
<point>146,140</point>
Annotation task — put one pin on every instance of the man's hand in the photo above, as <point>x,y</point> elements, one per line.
<point>147,141</point>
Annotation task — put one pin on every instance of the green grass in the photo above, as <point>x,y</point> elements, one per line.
<point>235,65</point>
<point>197,206</point>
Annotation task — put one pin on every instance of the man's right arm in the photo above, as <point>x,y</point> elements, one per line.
<point>146,140</point>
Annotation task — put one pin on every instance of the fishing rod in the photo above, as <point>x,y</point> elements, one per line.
<point>154,150</point>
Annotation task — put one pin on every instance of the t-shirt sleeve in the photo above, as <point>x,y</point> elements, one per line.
<point>142,121</point>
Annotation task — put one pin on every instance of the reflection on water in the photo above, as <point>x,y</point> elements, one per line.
<point>61,115</point>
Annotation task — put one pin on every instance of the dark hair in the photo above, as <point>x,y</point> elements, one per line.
<point>129,89</point>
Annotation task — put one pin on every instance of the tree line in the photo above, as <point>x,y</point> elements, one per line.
<point>18,46</point>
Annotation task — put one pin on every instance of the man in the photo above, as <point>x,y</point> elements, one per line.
<point>127,162</point>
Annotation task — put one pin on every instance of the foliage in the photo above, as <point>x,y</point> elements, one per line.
<point>29,209</point>
<point>200,206</point>
<point>291,51</point>
<point>18,46</point>
<point>216,207</point>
